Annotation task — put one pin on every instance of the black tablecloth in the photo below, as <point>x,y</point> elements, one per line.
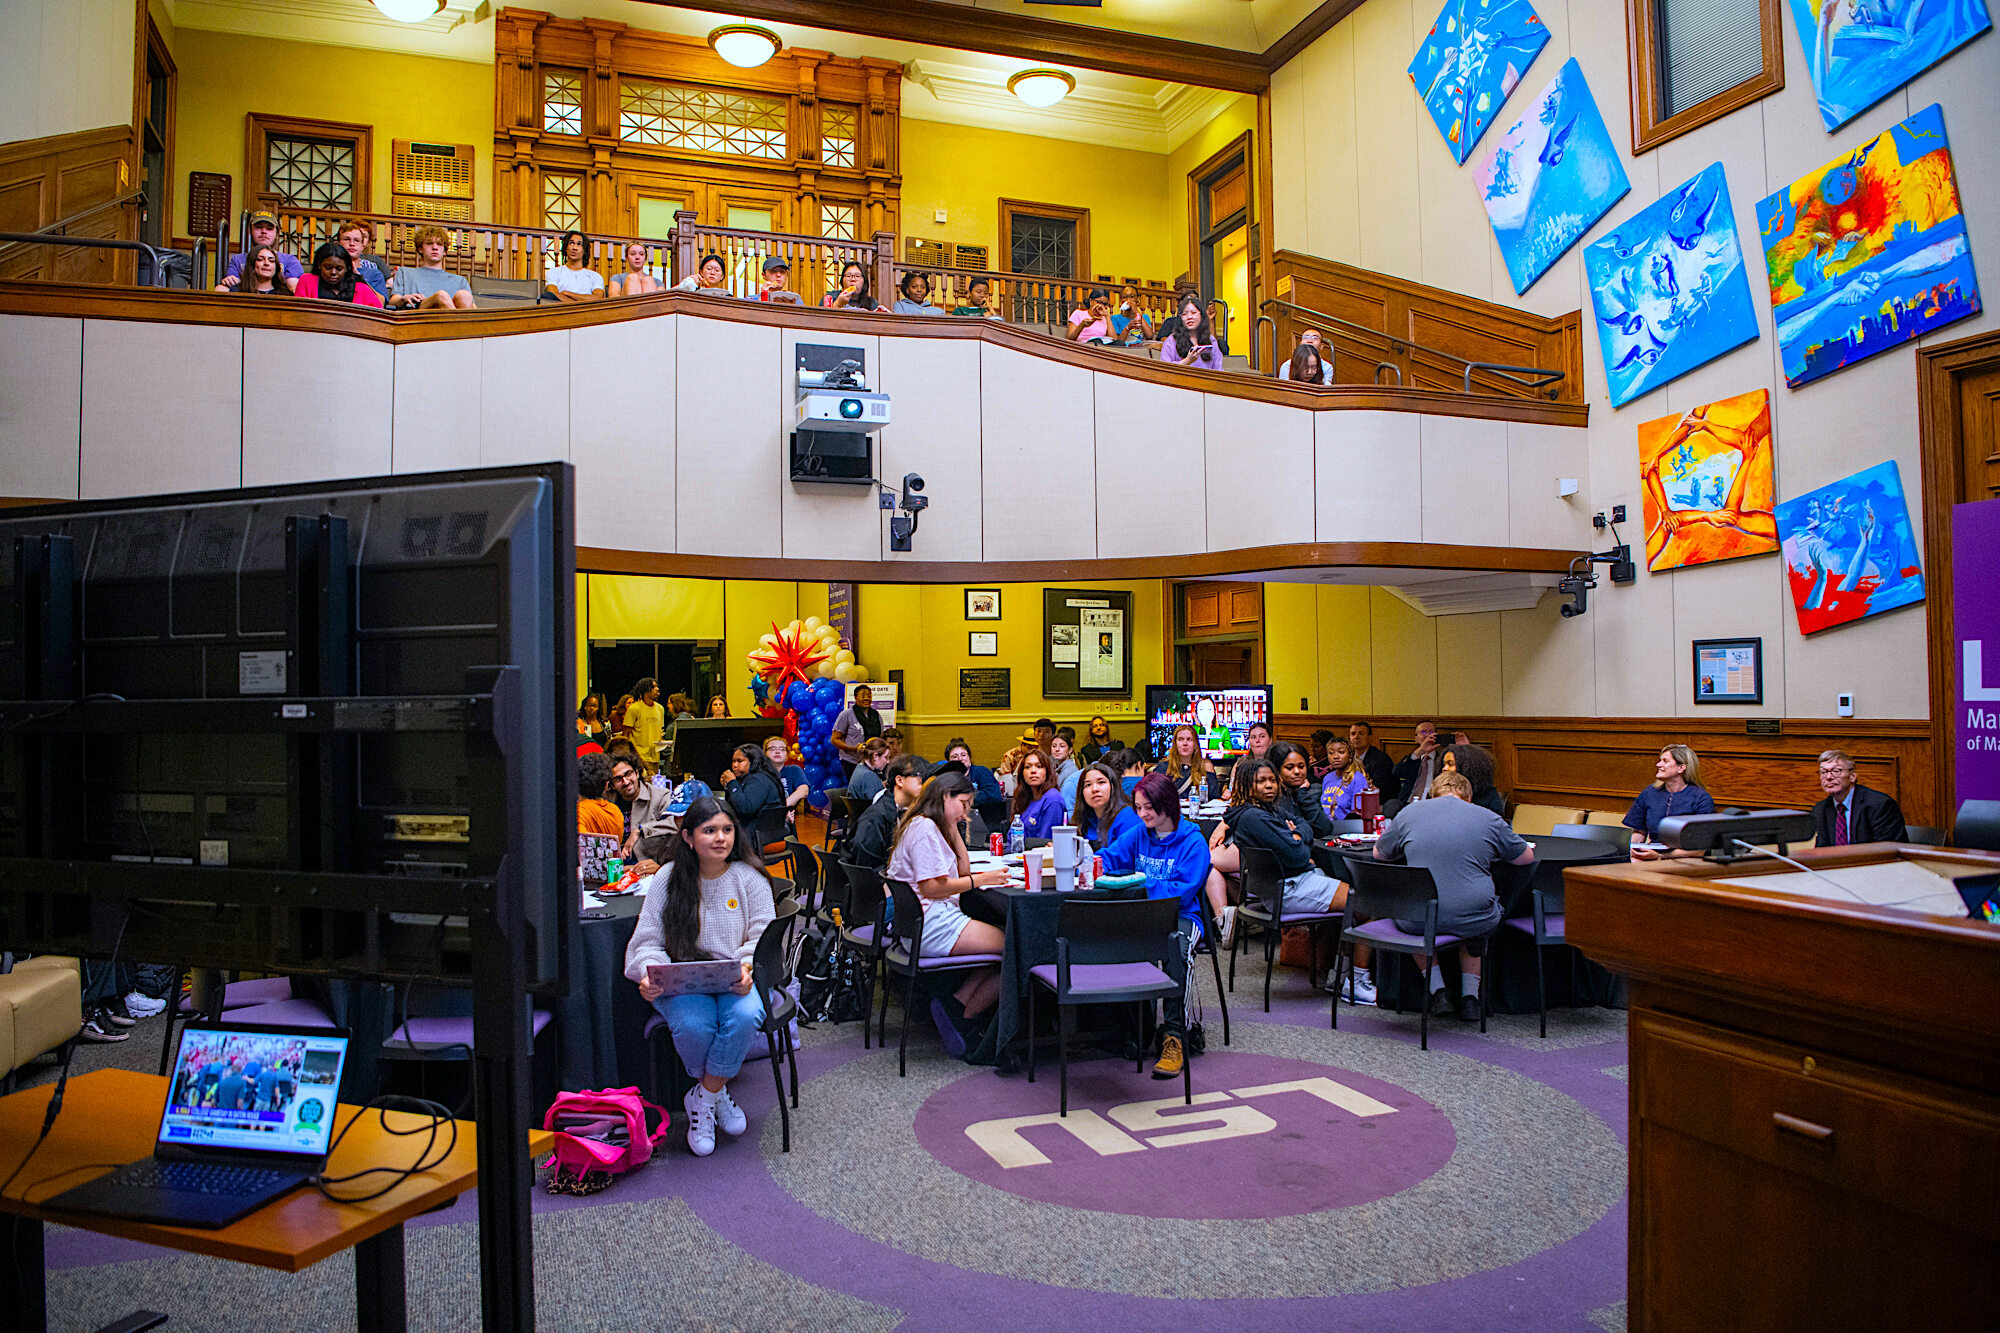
<point>600,1024</point>
<point>1031,941</point>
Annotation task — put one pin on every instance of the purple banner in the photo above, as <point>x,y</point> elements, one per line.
<point>1975,538</point>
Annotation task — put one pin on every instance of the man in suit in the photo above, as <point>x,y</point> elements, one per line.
<point>1420,768</point>
<point>1375,760</point>
<point>1850,812</point>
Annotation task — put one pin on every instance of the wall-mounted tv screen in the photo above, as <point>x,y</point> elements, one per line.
<point>1220,715</point>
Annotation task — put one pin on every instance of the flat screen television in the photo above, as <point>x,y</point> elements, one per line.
<point>1220,714</point>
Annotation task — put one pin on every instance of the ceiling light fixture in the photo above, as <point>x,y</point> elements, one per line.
<point>1041,87</point>
<point>410,11</point>
<point>744,45</point>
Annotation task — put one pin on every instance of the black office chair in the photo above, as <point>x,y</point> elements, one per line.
<point>1264,904</point>
<point>1977,826</point>
<point>861,926</point>
<point>1544,926</point>
<point>1615,834</point>
<point>1107,952</point>
<point>1210,933</point>
<point>771,976</point>
<point>905,958</point>
<point>1382,892</point>
<point>1923,835</point>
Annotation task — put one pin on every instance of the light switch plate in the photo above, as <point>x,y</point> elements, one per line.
<point>1844,704</point>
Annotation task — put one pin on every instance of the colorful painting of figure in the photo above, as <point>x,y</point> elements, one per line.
<point>1470,61</point>
<point>1868,252</point>
<point>1670,288</point>
<point>1705,478</point>
<point>1859,51</point>
<point>1849,550</point>
<point>1552,175</point>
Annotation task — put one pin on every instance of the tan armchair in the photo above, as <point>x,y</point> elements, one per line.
<point>41,1007</point>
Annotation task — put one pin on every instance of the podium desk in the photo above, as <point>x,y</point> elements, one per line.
<point>1815,1074</point>
<point>109,1117</point>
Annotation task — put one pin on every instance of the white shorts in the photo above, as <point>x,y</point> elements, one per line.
<point>1311,892</point>
<point>943,921</point>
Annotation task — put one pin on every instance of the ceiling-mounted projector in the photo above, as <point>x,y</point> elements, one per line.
<point>854,410</point>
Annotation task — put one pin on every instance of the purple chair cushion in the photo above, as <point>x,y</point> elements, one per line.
<point>243,994</point>
<point>451,1031</point>
<point>284,1013</point>
<point>1526,925</point>
<point>1385,932</point>
<point>1087,977</point>
<point>944,962</point>
<point>863,934</point>
<point>1289,918</point>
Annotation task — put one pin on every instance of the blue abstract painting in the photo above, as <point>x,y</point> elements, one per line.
<point>1670,288</point>
<point>1470,61</point>
<point>1850,550</point>
<point>1551,176</point>
<point>1859,51</point>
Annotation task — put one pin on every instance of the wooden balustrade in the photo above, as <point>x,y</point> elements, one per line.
<point>815,261</point>
<point>478,249</point>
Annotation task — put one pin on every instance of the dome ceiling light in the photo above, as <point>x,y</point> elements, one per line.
<point>1041,87</point>
<point>410,11</point>
<point>744,45</point>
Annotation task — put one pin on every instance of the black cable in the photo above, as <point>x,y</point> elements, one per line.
<point>440,1116</point>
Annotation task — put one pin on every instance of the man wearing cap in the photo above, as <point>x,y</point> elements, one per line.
<point>773,289</point>
<point>263,231</point>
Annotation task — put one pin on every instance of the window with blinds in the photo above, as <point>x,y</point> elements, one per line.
<point>1695,61</point>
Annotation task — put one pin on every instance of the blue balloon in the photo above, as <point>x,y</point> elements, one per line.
<point>798,695</point>
<point>827,688</point>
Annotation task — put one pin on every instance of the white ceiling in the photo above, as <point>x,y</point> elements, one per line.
<point>942,84</point>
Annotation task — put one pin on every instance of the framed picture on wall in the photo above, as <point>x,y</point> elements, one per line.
<point>982,643</point>
<point>1729,671</point>
<point>982,603</point>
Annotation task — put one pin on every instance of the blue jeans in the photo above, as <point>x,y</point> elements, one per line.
<point>712,1032</point>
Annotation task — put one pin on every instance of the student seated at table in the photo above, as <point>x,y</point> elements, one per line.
<point>1476,766</point>
<point>1296,785</point>
<point>1131,765</point>
<point>1062,753</point>
<point>1103,814</point>
<point>1458,842</point>
<point>711,903</point>
<point>868,844</point>
<point>1268,818</point>
<point>1340,790</point>
<point>1186,765</point>
<point>1256,745</point>
<point>1037,801</point>
<point>1676,790</point>
<point>989,798</point>
<point>1098,742</point>
<point>595,814</point>
<point>1173,856</point>
<point>865,782</point>
<point>789,774</point>
<point>752,785</point>
<point>930,857</point>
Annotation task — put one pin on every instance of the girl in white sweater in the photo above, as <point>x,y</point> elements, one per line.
<point>711,902</point>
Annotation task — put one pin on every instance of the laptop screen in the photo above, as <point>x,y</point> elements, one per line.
<point>241,1089</point>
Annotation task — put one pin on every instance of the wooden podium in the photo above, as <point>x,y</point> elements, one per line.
<point>1815,1131</point>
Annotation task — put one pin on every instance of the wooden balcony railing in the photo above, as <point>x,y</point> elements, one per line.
<point>478,249</point>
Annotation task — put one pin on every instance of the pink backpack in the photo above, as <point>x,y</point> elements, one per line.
<point>599,1136</point>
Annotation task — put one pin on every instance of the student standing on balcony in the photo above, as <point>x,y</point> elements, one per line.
<point>1190,340</point>
<point>852,294</point>
<point>574,280</point>
<point>634,281</point>
<point>429,286</point>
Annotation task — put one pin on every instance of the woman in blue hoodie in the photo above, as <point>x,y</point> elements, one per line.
<point>1103,815</point>
<point>1173,856</point>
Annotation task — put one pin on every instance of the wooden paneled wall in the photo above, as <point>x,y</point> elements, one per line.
<point>1601,763</point>
<point>1399,310</point>
<point>44,180</point>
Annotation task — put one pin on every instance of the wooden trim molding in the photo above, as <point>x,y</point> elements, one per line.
<point>1650,127</point>
<point>209,308</point>
<point>1004,240</point>
<point>1307,31</point>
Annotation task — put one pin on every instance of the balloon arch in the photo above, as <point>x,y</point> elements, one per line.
<point>797,673</point>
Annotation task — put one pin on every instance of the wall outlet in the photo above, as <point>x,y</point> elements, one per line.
<point>939,219</point>
<point>1843,704</point>
<point>1597,521</point>
<point>1617,513</point>
<point>885,499</point>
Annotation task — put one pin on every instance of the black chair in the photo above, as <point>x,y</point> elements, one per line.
<point>1264,904</point>
<point>1923,835</point>
<point>1382,892</point>
<point>861,926</point>
<point>1977,826</point>
<point>1210,933</point>
<point>1615,834</point>
<point>842,811</point>
<point>1545,927</point>
<point>807,873</point>
<point>771,838</point>
<point>1111,952</point>
<point>905,958</point>
<point>771,975</point>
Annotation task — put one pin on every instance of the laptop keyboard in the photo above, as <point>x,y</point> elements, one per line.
<point>202,1177</point>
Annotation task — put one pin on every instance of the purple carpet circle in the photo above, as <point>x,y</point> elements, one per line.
<point>1285,1136</point>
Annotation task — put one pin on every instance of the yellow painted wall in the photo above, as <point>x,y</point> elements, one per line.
<point>226,76</point>
<point>967,171</point>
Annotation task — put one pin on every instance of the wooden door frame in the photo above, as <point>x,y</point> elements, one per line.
<point>1942,454</point>
<point>154,47</point>
<point>1004,242</point>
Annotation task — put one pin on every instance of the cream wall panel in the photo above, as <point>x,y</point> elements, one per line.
<point>322,426</point>
<point>162,408</point>
<point>1403,650</point>
<point>65,66</point>
<point>1288,158</point>
<point>1330,154</point>
<point>1635,643</point>
<point>1739,599</point>
<point>1465,481</point>
<point>1367,475</point>
<point>1881,661</point>
<point>1386,112</point>
<point>621,435</point>
<point>729,462</point>
<point>936,387</point>
<point>1963,83</point>
<point>1346,658</point>
<point>1547,662</point>
<point>1038,426</point>
<point>437,413</point>
<point>41,397</point>
<point>1468,649</point>
<point>1537,456</point>
<point>524,389</point>
<point>828,522</point>
<point>1145,434</point>
<point>1269,450</point>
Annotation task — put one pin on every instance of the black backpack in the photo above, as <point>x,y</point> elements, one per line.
<point>832,978</point>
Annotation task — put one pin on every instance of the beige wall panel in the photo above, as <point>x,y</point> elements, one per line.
<point>321,426</point>
<point>1880,661</point>
<point>1403,650</point>
<point>1331,149</point>
<point>621,433</point>
<point>1635,643</point>
<point>524,390</point>
<point>1468,654</point>
<point>1739,599</point>
<point>727,450</point>
<point>1548,662</point>
<point>1149,435</point>
<point>1346,659</point>
<point>937,394</point>
<point>1270,449</point>
<point>1465,481</point>
<point>827,522</point>
<point>1289,230</point>
<point>1964,82</point>
<point>162,408</point>
<point>1038,424</point>
<point>1385,149</point>
<point>1368,474</point>
<point>437,405</point>
<point>41,394</point>
<point>1537,456</point>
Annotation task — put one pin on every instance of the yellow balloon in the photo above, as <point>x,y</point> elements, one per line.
<point>792,628</point>
<point>823,669</point>
<point>812,624</point>
<point>860,672</point>
<point>843,671</point>
<point>769,640</point>
<point>844,656</point>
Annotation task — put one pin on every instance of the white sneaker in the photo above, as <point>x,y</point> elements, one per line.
<point>728,1115</point>
<point>701,1120</point>
<point>143,1006</point>
<point>1227,930</point>
<point>1360,988</point>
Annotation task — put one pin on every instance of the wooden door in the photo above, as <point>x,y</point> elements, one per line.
<point>1235,662</point>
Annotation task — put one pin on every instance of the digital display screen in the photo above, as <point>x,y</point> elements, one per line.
<point>1220,715</point>
<point>272,1092</point>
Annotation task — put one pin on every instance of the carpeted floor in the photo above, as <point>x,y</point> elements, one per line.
<point>1324,1179</point>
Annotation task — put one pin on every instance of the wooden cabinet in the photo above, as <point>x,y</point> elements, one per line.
<point>1221,609</point>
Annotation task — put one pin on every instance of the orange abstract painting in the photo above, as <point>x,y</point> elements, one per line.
<point>1707,482</point>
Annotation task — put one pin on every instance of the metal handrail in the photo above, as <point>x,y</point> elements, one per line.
<point>1257,343</point>
<point>1543,378</point>
<point>57,228</point>
<point>1224,333</point>
<point>1381,366</point>
<point>153,256</point>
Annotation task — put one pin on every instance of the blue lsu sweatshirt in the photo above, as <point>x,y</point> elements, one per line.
<point>1177,864</point>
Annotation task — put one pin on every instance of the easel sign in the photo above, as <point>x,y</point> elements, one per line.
<point>1086,642</point>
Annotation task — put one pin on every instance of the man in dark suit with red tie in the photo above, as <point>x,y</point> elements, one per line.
<point>1850,812</point>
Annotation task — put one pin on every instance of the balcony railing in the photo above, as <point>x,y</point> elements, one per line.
<point>477,249</point>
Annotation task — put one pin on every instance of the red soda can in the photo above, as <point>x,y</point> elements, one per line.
<point>1380,824</point>
<point>1097,867</point>
<point>993,843</point>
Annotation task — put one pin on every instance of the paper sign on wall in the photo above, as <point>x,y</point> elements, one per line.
<point>1101,664</point>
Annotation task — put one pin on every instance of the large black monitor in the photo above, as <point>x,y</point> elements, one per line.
<point>1220,714</point>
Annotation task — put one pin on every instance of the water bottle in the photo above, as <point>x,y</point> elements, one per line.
<point>1017,836</point>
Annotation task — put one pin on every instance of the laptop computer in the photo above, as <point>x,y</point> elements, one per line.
<point>248,1115</point>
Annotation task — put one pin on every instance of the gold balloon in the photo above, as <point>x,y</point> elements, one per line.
<point>860,672</point>
<point>843,671</point>
<point>792,628</point>
<point>812,624</point>
<point>823,669</point>
<point>844,656</point>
